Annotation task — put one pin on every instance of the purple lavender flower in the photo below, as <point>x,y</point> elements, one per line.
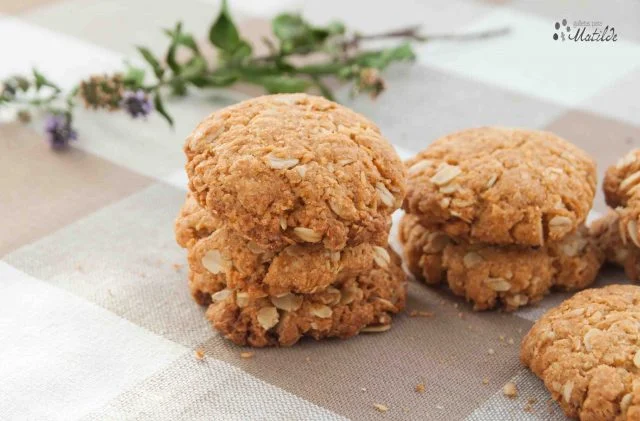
<point>59,131</point>
<point>137,104</point>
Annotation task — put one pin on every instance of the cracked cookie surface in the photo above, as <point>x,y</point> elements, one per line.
<point>492,276</point>
<point>309,290</point>
<point>345,308</point>
<point>501,186</point>
<point>217,252</point>
<point>587,352</point>
<point>284,169</point>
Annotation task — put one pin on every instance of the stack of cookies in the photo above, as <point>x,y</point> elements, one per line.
<point>618,232</point>
<point>287,221</point>
<point>499,215</point>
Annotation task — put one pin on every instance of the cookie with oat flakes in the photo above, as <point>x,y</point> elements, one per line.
<point>492,276</point>
<point>622,191</point>
<point>501,186</point>
<point>587,352</point>
<point>614,240</point>
<point>284,169</point>
<point>217,252</point>
<point>362,303</point>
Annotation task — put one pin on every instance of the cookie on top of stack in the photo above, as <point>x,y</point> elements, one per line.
<point>287,221</point>
<point>617,232</point>
<point>499,215</point>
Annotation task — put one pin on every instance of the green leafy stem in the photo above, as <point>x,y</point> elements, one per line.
<point>301,57</point>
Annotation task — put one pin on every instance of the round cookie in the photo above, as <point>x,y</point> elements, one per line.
<point>221,253</point>
<point>283,169</point>
<point>587,352</point>
<point>491,276</point>
<point>614,240</point>
<point>347,307</point>
<point>501,186</point>
<point>622,191</point>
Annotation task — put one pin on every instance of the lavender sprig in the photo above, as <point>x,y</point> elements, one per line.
<point>344,58</point>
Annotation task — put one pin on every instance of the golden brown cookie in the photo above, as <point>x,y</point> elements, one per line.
<point>501,186</point>
<point>587,352</point>
<point>217,252</point>
<point>283,169</point>
<point>614,240</point>
<point>345,308</point>
<point>491,276</point>
<point>622,192</point>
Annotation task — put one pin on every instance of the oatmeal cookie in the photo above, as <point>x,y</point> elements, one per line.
<point>217,252</point>
<point>284,169</point>
<point>347,307</point>
<point>622,192</point>
<point>501,186</point>
<point>489,275</point>
<point>587,352</point>
<point>614,240</point>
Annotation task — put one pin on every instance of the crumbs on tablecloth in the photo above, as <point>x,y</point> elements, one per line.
<point>380,407</point>
<point>199,354</point>
<point>247,355</point>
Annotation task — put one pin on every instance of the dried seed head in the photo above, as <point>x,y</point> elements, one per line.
<point>214,262</point>
<point>320,310</point>
<point>221,295</point>
<point>498,284</point>
<point>445,174</point>
<point>471,259</point>
<point>376,328</point>
<point>268,317</point>
<point>281,163</point>
<point>307,234</point>
<point>385,195</point>
<point>567,389</point>
<point>381,256</point>
<point>287,302</point>
<point>419,166</point>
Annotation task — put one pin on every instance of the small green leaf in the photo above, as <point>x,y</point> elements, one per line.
<point>278,84</point>
<point>152,60</point>
<point>171,52</point>
<point>197,66</point>
<point>223,33</point>
<point>381,59</point>
<point>134,78</point>
<point>288,27</point>
<point>41,80</point>
<point>157,102</point>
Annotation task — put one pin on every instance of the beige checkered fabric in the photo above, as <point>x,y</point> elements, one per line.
<point>96,321</point>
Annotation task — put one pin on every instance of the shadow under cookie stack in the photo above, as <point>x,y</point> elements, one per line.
<point>287,221</point>
<point>498,214</point>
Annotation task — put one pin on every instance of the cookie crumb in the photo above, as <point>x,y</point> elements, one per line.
<point>419,313</point>
<point>485,381</point>
<point>364,389</point>
<point>380,407</point>
<point>177,267</point>
<point>420,388</point>
<point>510,341</point>
<point>491,351</point>
<point>461,315</point>
<point>199,354</point>
<point>501,337</point>
<point>510,390</point>
<point>308,359</point>
<point>247,355</point>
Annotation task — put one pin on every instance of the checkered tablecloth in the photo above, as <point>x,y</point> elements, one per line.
<point>96,321</point>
